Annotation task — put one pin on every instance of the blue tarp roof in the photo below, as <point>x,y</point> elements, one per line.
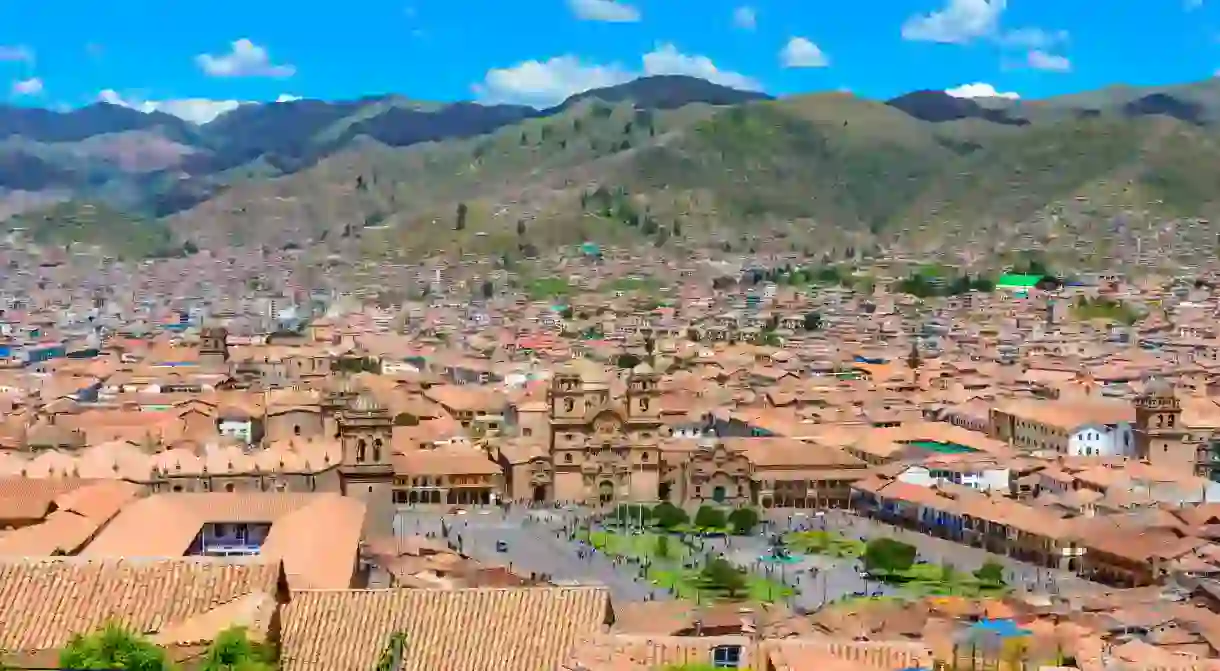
<point>1001,628</point>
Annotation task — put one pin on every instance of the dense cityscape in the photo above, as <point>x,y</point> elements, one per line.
<point>615,359</point>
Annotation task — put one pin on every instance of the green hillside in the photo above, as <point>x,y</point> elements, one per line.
<point>89,224</point>
<point>811,172</point>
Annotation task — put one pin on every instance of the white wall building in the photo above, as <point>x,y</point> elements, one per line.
<point>1106,440</point>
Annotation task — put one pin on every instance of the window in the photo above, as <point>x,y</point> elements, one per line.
<point>377,449</point>
<point>230,487</point>
<point>567,458</point>
<point>726,656</point>
<point>527,432</point>
<point>296,429</point>
<point>568,404</point>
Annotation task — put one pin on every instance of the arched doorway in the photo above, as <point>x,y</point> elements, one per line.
<point>539,493</point>
<point>664,490</point>
<point>605,492</point>
<point>719,494</point>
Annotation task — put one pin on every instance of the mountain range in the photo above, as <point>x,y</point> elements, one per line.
<point>662,160</point>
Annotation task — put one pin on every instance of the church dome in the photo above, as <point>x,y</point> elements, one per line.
<point>1159,387</point>
<point>642,369</point>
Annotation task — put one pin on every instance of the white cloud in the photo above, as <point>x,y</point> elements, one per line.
<point>667,60</point>
<point>609,11</point>
<point>1192,5</point>
<point>27,87</point>
<point>801,53</point>
<point>979,90</point>
<point>544,83</point>
<point>745,18</point>
<point>960,21</point>
<point>547,82</point>
<point>245,59</point>
<point>16,53</point>
<point>286,98</point>
<point>195,110</point>
<point>1041,60</point>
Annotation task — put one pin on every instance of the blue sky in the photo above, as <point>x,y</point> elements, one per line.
<point>197,60</point>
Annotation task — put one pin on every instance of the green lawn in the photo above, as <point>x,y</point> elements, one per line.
<point>934,580</point>
<point>826,543</point>
<point>684,584</point>
<point>668,572</point>
<point>637,546</point>
<point>548,287</point>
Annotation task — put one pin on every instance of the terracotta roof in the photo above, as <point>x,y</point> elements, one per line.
<point>164,525</point>
<point>47,601</point>
<point>446,630</point>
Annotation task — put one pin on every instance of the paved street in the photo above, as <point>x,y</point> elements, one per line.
<point>537,543</point>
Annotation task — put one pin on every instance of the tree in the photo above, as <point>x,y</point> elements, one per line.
<point>990,573</point>
<point>669,516</point>
<point>460,224</point>
<point>391,656</point>
<point>520,227</point>
<point>662,548</point>
<point>813,321</point>
<point>113,647</point>
<point>743,521</point>
<point>405,419</point>
<point>627,360</point>
<point>886,555</point>
<point>718,575</point>
<point>232,650</point>
<point>710,517</point>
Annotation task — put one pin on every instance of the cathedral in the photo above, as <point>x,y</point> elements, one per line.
<point>604,449</point>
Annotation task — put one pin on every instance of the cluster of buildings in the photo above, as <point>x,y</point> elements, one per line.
<point>202,455</point>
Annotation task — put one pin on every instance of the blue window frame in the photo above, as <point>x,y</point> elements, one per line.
<point>726,657</point>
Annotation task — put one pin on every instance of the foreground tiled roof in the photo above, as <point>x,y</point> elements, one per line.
<point>446,630</point>
<point>164,525</point>
<point>45,601</point>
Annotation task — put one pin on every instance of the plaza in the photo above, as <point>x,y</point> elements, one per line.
<point>820,563</point>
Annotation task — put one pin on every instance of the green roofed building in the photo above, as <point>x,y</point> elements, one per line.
<point>1019,283</point>
<point>1015,281</point>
